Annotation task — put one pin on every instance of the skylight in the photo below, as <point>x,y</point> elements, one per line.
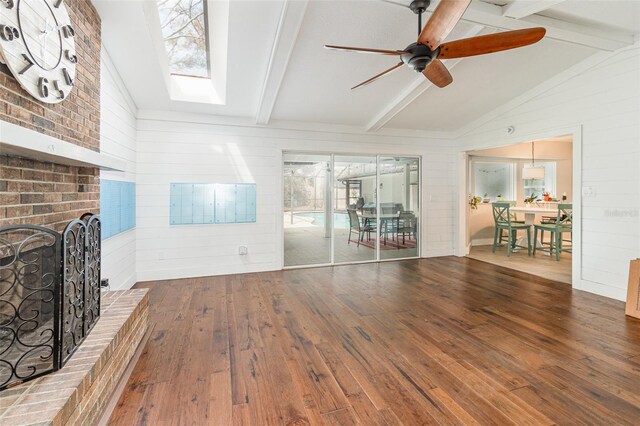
<point>186,38</point>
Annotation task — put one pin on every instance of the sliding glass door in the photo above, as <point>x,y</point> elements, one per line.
<point>399,207</point>
<point>354,208</point>
<point>350,208</point>
<point>307,209</point>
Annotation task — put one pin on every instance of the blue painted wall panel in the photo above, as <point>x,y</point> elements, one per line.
<point>117,207</point>
<point>212,203</point>
<point>229,203</point>
<point>251,203</point>
<point>175,204</point>
<point>220,203</point>
<point>209,203</point>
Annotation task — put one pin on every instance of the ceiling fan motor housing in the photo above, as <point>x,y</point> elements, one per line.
<point>417,56</point>
<point>419,6</point>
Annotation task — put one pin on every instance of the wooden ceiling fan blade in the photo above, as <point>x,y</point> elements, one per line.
<point>383,73</point>
<point>490,43</point>
<point>364,50</point>
<point>438,74</point>
<point>442,21</point>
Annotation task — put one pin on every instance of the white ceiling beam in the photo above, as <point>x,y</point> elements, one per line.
<point>519,9</point>
<point>491,16</point>
<point>411,92</point>
<point>288,28</point>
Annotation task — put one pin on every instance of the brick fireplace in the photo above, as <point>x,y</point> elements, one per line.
<point>45,193</point>
<point>50,164</point>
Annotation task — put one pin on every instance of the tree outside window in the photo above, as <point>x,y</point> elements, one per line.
<point>184,29</point>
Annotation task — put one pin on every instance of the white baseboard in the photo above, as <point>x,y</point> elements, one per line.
<point>205,271</point>
<point>437,253</point>
<point>126,284</point>
<point>482,242</point>
<point>600,289</point>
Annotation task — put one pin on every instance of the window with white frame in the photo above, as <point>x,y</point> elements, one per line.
<point>538,187</point>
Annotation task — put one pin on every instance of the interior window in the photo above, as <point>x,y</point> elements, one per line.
<point>494,180</point>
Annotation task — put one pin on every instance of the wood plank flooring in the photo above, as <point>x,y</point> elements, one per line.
<point>430,341</point>
<point>541,264</point>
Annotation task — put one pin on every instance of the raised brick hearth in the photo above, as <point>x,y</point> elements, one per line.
<point>79,392</point>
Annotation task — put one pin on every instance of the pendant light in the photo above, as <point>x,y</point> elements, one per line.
<point>532,172</point>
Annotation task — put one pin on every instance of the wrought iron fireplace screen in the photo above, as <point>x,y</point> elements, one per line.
<point>49,296</point>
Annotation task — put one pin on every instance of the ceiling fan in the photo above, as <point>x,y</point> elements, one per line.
<point>424,55</point>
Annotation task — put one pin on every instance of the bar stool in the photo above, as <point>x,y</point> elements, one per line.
<point>514,219</point>
<point>503,222</point>
<point>562,225</point>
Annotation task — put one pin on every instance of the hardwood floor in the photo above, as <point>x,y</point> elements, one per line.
<point>445,340</point>
<point>541,264</point>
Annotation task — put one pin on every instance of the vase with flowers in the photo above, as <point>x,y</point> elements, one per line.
<point>474,200</point>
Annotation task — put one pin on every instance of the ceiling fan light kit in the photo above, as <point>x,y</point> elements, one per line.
<point>424,55</point>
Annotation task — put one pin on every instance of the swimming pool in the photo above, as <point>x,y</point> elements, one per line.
<point>340,220</point>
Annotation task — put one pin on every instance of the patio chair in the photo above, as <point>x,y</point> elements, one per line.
<point>357,227</point>
<point>407,225</point>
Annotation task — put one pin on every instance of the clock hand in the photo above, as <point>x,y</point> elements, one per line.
<point>54,29</point>
<point>44,45</point>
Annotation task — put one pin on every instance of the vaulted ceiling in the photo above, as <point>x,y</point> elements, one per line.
<point>278,70</point>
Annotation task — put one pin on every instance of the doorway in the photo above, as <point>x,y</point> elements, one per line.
<point>536,179</point>
<point>341,209</point>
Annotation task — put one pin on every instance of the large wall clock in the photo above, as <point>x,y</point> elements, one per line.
<point>37,44</point>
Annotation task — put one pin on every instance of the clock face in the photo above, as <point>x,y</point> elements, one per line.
<point>37,44</point>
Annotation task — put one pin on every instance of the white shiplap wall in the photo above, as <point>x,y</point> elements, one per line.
<point>602,96</point>
<point>118,139</point>
<point>190,148</point>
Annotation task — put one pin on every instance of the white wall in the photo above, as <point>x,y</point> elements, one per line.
<point>392,190</point>
<point>602,96</point>
<point>118,139</point>
<point>192,148</point>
